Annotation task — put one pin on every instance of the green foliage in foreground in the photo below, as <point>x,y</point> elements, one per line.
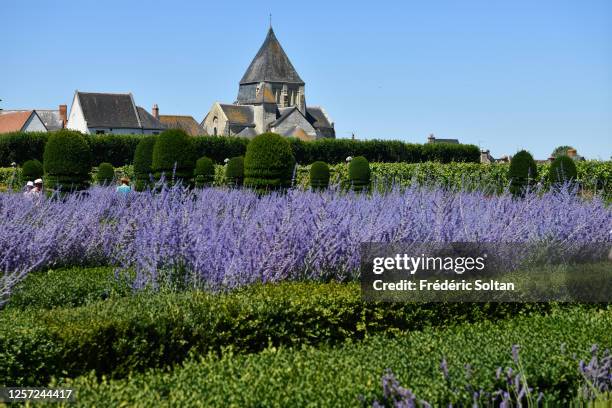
<point>550,349</point>
<point>125,334</point>
<point>69,287</point>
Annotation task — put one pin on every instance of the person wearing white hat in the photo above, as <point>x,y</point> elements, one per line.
<point>38,186</point>
<point>28,188</point>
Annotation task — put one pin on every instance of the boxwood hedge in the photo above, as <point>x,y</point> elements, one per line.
<point>70,287</point>
<point>67,161</point>
<point>124,334</point>
<point>119,149</point>
<point>278,377</point>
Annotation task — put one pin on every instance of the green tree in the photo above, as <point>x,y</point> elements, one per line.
<point>174,156</point>
<point>269,162</point>
<point>67,160</point>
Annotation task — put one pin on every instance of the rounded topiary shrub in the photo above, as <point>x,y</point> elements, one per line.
<point>234,171</point>
<point>31,170</point>
<point>174,156</point>
<point>143,158</point>
<point>106,174</point>
<point>67,161</point>
<point>359,173</point>
<point>523,172</point>
<point>269,162</point>
<point>562,169</point>
<point>204,173</point>
<point>319,175</point>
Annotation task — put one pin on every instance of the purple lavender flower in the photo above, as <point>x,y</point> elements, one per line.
<point>219,238</point>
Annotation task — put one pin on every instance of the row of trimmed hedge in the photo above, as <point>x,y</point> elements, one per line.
<point>119,149</point>
<point>68,287</point>
<point>550,347</point>
<point>590,174</point>
<point>124,334</point>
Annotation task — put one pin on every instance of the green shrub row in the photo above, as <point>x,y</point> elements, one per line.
<point>124,334</point>
<point>70,287</point>
<point>550,347</point>
<point>388,151</point>
<point>119,149</point>
<point>590,173</point>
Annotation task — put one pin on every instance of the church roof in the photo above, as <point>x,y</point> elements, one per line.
<point>239,114</point>
<point>247,132</point>
<point>318,118</point>
<point>271,64</point>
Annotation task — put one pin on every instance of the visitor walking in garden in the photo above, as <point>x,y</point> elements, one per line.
<point>124,188</point>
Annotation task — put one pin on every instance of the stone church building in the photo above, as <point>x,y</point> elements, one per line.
<point>271,98</point>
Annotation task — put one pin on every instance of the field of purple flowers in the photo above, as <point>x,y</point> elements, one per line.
<point>225,238</point>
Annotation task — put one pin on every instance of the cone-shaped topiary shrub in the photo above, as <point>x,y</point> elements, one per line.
<point>562,169</point>
<point>106,174</point>
<point>522,172</point>
<point>143,157</point>
<point>269,162</point>
<point>234,171</point>
<point>174,155</point>
<point>67,161</point>
<point>359,173</point>
<point>204,173</point>
<point>319,175</point>
<point>31,170</point>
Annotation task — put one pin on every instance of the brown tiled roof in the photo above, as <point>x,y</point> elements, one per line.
<point>148,121</point>
<point>14,121</point>
<point>186,123</point>
<point>239,114</point>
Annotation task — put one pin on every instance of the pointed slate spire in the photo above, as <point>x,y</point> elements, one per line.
<point>271,64</point>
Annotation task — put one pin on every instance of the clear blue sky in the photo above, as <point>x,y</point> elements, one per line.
<point>502,74</point>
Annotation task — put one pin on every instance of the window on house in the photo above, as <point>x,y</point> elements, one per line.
<point>156,133</point>
<point>100,132</point>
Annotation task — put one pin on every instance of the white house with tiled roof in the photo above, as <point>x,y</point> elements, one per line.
<point>101,113</point>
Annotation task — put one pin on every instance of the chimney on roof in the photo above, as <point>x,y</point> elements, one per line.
<point>156,111</point>
<point>571,153</point>
<point>63,114</point>
<point>431,138</point>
